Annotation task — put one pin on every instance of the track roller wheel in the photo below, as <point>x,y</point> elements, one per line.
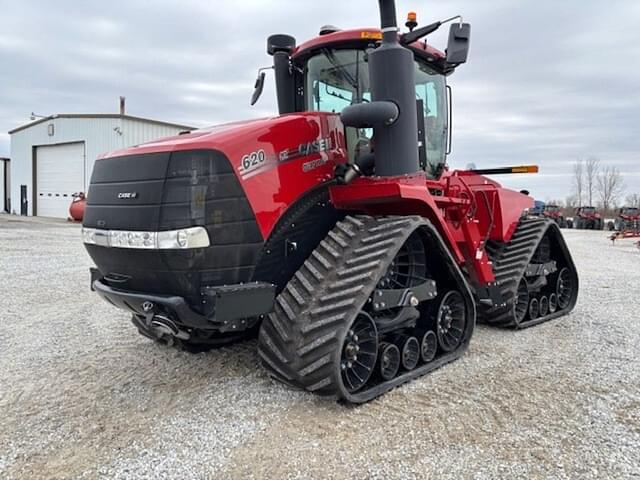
<point>450,320</point>
<point>534,309</point>
<point>409,353</point>
<point>521,304</point>
<point>553,303</point>
<point>428,346</point>
<point>544,306</point>
<point>359,352</point>
<point>564,288</point>
<point>389,361</point>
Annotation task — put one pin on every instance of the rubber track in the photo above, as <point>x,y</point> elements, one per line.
<point>509,263</point>
<point>300,343</point>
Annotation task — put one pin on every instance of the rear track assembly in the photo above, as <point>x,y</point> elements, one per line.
<point>536,276</point>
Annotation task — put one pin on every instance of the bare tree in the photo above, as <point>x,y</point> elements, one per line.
<point>578,180</point>
<point>610,186</point>
<point>570,203</point>
<point>633,200</point>
<point>592,167</point>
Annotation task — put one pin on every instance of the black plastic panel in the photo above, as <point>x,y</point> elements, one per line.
<point>173,191</point>
<point>151,166</point>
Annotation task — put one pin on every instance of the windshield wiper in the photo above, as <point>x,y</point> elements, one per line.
<point>344,73</point>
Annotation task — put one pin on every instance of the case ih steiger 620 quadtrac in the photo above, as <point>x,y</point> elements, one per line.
<point>335,228</point>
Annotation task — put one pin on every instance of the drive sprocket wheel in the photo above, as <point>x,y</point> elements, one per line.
<point>450,321</point>
<point>543,251</point>
<point>564,288</point>
<point>359,352</point>
<point>408,267</point>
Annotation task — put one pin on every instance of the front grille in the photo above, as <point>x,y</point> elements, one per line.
<point>169,191</point>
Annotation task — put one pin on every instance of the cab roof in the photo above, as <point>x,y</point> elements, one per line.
<point>357,35</point>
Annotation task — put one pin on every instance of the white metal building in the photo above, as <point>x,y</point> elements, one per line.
<point>52,158</point>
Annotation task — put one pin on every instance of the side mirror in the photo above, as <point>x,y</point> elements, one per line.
<point>259,86</point>
<point>458,45</point>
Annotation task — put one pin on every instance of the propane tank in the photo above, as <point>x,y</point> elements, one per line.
<point>76,209</point>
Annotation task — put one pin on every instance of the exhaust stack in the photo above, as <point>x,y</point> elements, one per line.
<point>392,73</point>
<point>392,76</point>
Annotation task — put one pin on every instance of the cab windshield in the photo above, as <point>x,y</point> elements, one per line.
<point>335,79</point>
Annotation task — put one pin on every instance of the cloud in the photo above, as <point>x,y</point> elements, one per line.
<point>546,82</point>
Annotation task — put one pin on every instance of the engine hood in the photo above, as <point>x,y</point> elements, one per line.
<point>220,137</point>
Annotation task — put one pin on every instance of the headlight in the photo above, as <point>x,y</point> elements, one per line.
<point>186,238</point>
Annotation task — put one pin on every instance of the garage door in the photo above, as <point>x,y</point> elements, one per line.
<point>59,174</point>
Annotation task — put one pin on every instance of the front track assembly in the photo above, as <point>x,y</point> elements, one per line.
<point>378,303</point>
<point>535,274</point>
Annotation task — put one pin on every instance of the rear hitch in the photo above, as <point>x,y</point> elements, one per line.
<point>162,325</point>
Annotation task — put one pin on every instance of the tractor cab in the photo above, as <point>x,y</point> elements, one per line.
<point>336,76</point>
<point>630,212</point>
<point>330,73</point>
<point>552,208</point>
<point>589,212</point>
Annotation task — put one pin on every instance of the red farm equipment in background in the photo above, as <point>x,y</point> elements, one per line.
<point>587,218</point>
<point>78,204</point>
<point>554,212</point>
<point>628,218</point>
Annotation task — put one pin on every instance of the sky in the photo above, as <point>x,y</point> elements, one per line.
<point>547,82</point>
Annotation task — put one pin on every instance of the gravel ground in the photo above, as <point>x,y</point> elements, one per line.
<point>83,396</point>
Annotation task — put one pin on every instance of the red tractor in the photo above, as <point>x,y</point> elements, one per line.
<point>587,218</point>
<point>628,219</point>
<point>335,229</point>
<point>554,212</point>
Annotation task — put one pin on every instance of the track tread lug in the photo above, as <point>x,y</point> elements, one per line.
<point>317,343</point>
<point>304,281</point>
<point>293,291</point>
<point>316,365</point>
<point>325,382</point>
